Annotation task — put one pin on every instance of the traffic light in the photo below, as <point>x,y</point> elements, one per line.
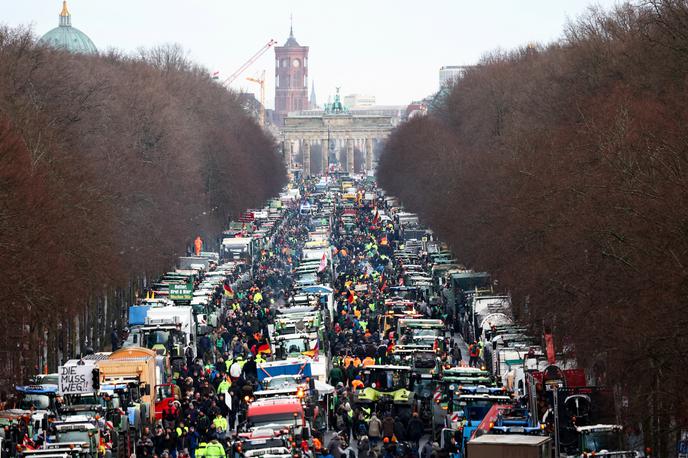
<point>96,379</point>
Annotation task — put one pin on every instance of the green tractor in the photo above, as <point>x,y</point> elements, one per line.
<point>387,384</point>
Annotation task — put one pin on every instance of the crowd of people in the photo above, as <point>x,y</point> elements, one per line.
<point>214,387</point>
<point>367,271</point>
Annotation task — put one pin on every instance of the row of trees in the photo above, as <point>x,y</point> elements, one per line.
<point>109,166</point>
<point>563,169</point>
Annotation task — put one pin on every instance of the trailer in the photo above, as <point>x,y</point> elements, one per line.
<point>510,446</point>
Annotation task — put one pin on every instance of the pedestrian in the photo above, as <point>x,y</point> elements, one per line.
<point>474,354</point>
<point>399,430</point>
<point>415,429</point>
<point>456,355</point>
<point>388,426</point>
<point>374,429</point>
<point>335,447</point>
<point>336,375</point>
<point>363,446</point>
<point>114,338</point>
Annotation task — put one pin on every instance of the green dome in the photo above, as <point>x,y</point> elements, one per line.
<point>67,37</point>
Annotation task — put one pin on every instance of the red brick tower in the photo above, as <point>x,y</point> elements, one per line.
<point>291,77</point>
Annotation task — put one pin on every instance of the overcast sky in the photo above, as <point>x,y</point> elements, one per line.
<point>391,49</point>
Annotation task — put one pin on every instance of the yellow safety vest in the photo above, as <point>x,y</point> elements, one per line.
<point>220,422</point>
<point>215,450</point>
<point>224,386</point>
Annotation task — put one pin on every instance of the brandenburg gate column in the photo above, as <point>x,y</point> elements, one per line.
<point>325,148</point>
<point>368,154</point>
<point>288,151</point>
<point>306,158</point>
<point>350,155</point>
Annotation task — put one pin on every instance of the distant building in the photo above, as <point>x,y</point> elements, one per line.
<point>313,102</point>
<point>359,101</point>
<point>396,113</point>
<point>451,73</point>
<point>67,37</point>
<point>414,109</point>
<point>291,77</point>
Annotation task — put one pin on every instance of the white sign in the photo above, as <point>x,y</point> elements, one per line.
<point>76,379</point>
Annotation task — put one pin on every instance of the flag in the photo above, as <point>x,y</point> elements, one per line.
<point>264,348</point>
<point>376,218</point>
<point>314,352</point>
<point>351,297</point>
<point>216,75</point>
<point>228,290</point>
<point>323,263</point>
<point>549,342</point>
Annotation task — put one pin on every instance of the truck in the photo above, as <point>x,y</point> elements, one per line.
<point>75,436</point>
<point>37,403</point>
<point>510,446</point>
<point>77,431</point>
<point>601,440</point>
<point>275,413</point>
<point>12,424</point>
<point>423,331</point>
<point>167,330</point>
<point>133,370</point>
<point>108,402</point>
<point>237,249</point>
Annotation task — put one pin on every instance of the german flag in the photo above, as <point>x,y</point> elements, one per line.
<point>264,348</point>
<point>351,297</point>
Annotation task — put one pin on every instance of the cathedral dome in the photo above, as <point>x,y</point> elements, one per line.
<point>67,37</point>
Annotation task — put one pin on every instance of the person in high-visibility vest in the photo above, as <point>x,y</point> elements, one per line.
<point>214,450</point>
<point>221,426</point>
<point>200,451</point>
<point>198,245</point>
<point>357,383</point>
<point>224,385</point>
<point>368,361</point>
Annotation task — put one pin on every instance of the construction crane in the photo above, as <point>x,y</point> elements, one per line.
<point>261,82</point>
<point>249,62</point>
